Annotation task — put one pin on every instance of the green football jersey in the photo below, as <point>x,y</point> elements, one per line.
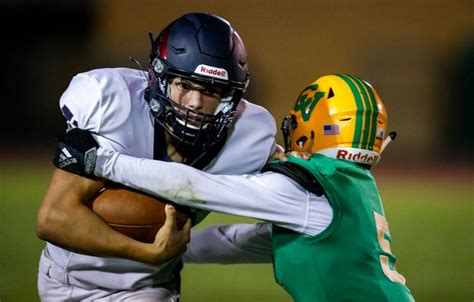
<point>349,261</point>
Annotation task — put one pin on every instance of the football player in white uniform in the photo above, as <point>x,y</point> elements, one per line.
<point>187,108</point>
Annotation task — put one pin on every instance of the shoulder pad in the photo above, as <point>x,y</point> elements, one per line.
<point>299,174</point>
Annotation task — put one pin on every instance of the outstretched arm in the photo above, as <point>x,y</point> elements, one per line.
<point>270,197</point>
<point>230,244</point>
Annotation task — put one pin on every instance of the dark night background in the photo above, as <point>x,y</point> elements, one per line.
<point>420,60</point>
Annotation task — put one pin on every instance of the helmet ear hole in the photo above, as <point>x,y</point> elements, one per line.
<point>301,141</point>
<point>330,93</point>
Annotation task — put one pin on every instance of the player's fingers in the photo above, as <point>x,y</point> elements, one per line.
<point>170,221</point>
<point>279,154</point>
<point>301,154</point>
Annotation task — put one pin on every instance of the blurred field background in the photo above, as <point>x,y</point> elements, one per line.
<point>418,54</point>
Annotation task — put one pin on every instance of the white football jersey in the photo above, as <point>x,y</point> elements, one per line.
<point>110,102</point>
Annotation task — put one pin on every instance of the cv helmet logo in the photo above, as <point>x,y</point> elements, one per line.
<point>307,100</point>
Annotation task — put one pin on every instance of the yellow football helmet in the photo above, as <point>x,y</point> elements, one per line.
<point>340,116</point>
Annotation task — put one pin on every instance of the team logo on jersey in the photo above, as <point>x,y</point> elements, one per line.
<point>211,71</point>
<point>68,116</point>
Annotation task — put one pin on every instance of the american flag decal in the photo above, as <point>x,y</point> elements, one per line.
<point>331,129</point>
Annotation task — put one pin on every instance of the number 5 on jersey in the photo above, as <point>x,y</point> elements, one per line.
<point>382,233</point>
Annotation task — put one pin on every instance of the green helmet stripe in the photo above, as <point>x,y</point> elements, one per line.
<point>360,109</point>
<point>375,113</point>
<point>367,130</point>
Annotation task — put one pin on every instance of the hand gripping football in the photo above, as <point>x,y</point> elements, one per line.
<point>134,213</point>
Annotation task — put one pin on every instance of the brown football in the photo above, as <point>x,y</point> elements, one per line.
<point>134,213</point>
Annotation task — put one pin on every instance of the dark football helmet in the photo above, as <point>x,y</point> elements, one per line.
<point>203,48</point>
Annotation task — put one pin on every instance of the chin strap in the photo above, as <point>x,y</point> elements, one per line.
<point>285,129</point>
<point>208,155</point>
<point>391,137</point>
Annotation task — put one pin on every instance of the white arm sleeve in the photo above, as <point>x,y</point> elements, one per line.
<point>230,244</point>
<point>270,197</point>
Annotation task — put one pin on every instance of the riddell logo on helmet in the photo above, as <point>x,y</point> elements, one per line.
<point>357,157</point>
<point>212,71</point>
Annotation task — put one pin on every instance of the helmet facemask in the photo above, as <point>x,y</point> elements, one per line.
<point>187,125</point>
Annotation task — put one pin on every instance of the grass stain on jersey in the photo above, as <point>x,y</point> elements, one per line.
<point>185,193</point>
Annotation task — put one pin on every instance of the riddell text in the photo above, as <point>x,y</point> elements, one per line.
<point>344,154</point>
<point>219,73</point>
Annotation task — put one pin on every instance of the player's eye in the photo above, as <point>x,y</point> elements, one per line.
<point>183,86</point>
<point>211,92</point>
